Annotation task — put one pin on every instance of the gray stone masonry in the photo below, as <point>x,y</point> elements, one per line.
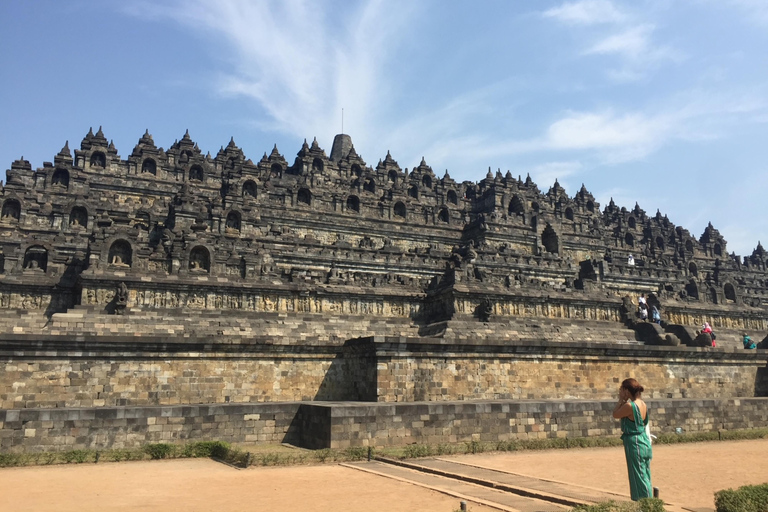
<point>349,424</point>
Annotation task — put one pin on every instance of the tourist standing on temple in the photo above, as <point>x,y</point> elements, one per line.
<point>707,329</point>
<point>748,343</point>
<point>655,315</point>
<point>642,310</point>
<point>633,413</point>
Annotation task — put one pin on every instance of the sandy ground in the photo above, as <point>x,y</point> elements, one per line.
<point>687,475</point>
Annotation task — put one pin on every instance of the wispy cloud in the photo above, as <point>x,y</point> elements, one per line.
<point>298,65</point>
<point>619,34</point>
<point>756,10</point>
<point>586,12</point>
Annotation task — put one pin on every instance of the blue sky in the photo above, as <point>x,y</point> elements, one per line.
<point>663,103</point>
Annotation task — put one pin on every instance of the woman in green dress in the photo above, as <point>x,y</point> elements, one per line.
<point>633,412</point>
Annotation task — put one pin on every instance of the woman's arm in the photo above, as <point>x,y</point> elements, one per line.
<point>622,409</point>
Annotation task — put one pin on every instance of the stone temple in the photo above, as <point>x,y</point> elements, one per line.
<point>174,295</point>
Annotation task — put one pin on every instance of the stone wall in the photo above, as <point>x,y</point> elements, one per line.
<point>492,421</point>
<point>428,370</point>
<point>125,371</point>
<point>341,425</point>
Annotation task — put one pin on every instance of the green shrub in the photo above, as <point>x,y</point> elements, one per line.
<point>644,505</point>
<point>414,451</point>
<point>204,449</point>
<point>159,450</point>
<point>77,456</point>
<point>356,453</point>
<point>11,459</point>
<point>749,498</point>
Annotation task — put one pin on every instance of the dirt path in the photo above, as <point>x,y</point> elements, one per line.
<point>687,475</point>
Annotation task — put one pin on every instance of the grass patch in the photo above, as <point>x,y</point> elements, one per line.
<point>281,455</point>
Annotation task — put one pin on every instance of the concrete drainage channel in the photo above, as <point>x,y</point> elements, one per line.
<point>464,483</point>
<point>489,487</point>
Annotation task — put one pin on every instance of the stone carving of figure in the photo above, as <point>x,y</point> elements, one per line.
<point>117,260</point>
<point>121,296</point>
<point>33,264</point>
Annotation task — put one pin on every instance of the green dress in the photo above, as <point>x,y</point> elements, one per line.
<point>637,448</point>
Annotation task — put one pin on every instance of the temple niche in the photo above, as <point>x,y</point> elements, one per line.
<point>304,196</point>
<point>199,260</point>
<point>196,173</point>
<point>249,189</point>
<point>233,223</point>
<point>98,159</point>
<point>78,217</point>
<point>36,258</point>
<point>353,204</point>
<point>11,211</point>
<point>549,240</point>
<point>60,178</point>
<point>120,254</point>
<point>149,166</point>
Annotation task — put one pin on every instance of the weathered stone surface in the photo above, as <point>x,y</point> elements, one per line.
<point>191,282</point>
<point>179,231</point>
<point>342,425</point>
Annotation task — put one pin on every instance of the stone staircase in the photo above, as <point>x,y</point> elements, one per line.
<point>538,329</point>
<point>23,321</point>
<point>278,328</point>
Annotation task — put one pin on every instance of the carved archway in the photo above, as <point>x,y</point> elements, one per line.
<point>149,166</point>
<point>426,181</point>
<point>693,269</point>
<point>196,173</point>
<point>452,197</point>
<point>36,258</point>
<point>120,254</point>
<point>78,217</point>
<point>317,165</point>
<point>199,259</point>
<point>399,210</point>
<point>692,290</point>
<point>549,240</point>
<point>233,222</point>
<point>356,170</point>
<point>249,189</point>
<point>569,213</point>
<point>392,175</point>
<point>718,250</point>
<point>304,196</point>
<point>629,240</point>
<point>444,215</point>
<point>353,204</point>
<point>369,185</point>
<point>60,178</point>
<point>11,210</point>
<point>516,205</point>
<point>98,159</point>
<point>730,292</point>
<point>414,192</point>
